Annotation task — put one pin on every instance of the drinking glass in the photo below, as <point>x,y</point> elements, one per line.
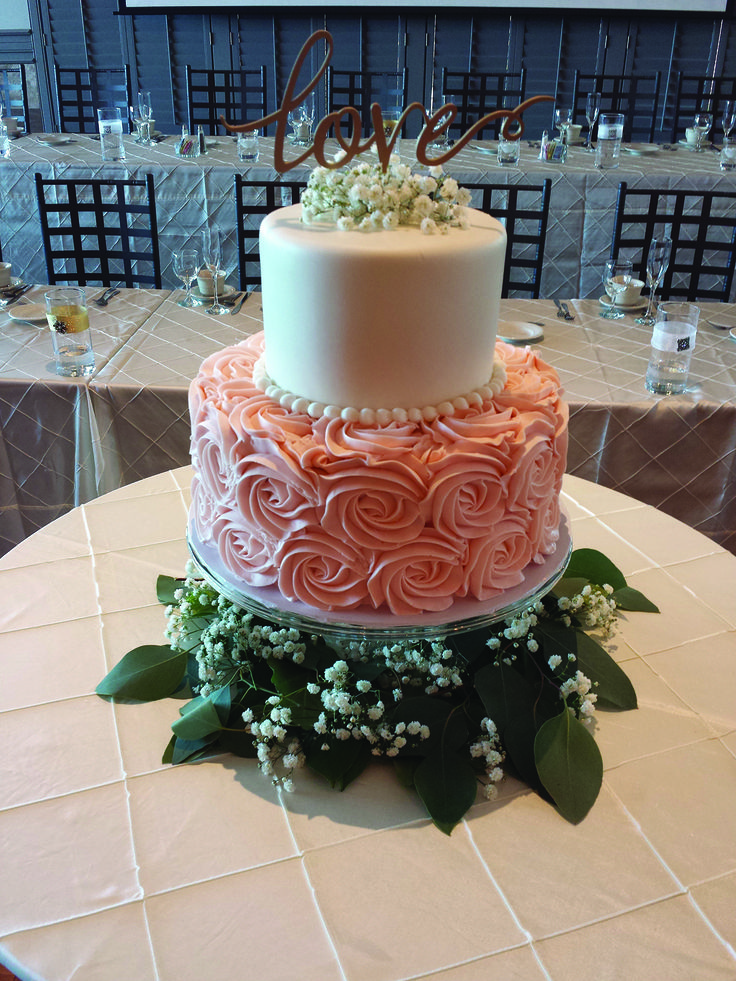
<point>68,319</point>
<point>301,120</point>
<point>702,124</point>
<point>211,253</point>
<point>592,108</point>
<point>616,277</point>
<point>563,118</point>
<point>186,264</point>
<point>658,258</point>
<point>145,112</point>
<point>729,117</point>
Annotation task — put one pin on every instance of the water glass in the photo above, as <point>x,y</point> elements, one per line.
<point>248,146</point>
<point>508,153</point>
<point>4,141</point>
<point>610,134</point>
<point>701,124</point>
<point>66,313</point>
<point>616,278</point>
<point>186,266</point>
<point>110,124</point>
<point>673,341</point>
<point>727,157</point>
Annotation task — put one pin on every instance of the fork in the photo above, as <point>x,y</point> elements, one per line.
<point>563,311</point>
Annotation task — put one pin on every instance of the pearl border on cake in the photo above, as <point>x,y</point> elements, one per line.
<point>370,417</point>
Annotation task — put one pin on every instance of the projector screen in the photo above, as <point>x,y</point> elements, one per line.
<point>192,6</point>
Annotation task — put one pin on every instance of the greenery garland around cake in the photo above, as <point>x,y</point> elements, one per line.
<point>450,713</point>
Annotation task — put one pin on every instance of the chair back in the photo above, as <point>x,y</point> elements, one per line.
<point>80,92</point>
<point>636,96</point>
<point>477,93</point>
<point>239,96</point>
<point>99,232</point>
<point>524,211</point>
<point>14,94</point>
<point>361,88</point>
<point>253,200</point>
<point>700,93</point>
<point>702,226</point>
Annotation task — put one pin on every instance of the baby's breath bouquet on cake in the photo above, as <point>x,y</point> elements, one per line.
<point>451,714</point>
<point>364,197</point>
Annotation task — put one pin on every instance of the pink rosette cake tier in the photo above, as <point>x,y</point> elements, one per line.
<point>403,515</point>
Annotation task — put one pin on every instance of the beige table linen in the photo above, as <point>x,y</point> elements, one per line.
<point>114,866</point>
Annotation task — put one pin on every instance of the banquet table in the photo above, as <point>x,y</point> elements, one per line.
<point>115,866</point>
<point>190,193</point>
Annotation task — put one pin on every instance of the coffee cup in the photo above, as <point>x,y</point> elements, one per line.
<point>691,134</point>
<point>630,296</point>
<point>205,284</point>
<point>573,133</point>
<point>5,271</point>
<point>11,124</point>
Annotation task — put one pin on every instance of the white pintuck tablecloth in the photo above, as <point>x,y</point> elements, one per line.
<point>116,867</point>
<point>192,193</point>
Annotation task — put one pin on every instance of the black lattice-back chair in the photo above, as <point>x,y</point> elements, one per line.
<point>240,96</point>
<point>253,200</point>
<point>80,92</point>
<point>700,93</point>
<point>14,94</point>
<point>361,88</point>
<point>524,210</point>
<point>100,232</point>
<point>636,96</point>
<point>702,226</point>
<point>477,93</point>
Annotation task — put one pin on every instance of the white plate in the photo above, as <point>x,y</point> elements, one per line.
<point>54,139</point>
<point>640,149</point>
<point>34,312</point>
<point>605,301</point>
<point>720,324</point>
<point>691,146</point>
<point>518,332</point>
<point>208,297</point>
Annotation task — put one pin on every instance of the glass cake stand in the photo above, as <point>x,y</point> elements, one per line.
<point>366,624</point>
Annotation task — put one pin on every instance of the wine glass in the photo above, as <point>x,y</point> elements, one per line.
<point>563,118</point>
<point>729,118</point>
<point>702,124</point>
<point>592,108</point>
<point>616,277</point>
<point>145,112</point>
<point>658,258</point>
<point>301,120</point>
<point>186,264</point>
<point>212,255</point>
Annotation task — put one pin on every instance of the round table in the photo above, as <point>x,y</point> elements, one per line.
<point>114,866</point>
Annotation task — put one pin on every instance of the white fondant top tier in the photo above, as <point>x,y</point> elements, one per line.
<point>381,319</point>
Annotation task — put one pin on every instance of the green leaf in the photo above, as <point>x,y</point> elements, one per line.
<point>342,762</point>
<point>290,681</point>
<point>145,674</point>
<point>166,586</point>
<point>590,564</point>
<point>447,723</point>
<point>405,767</point>
<point>199,719</point>
<point>613,687</point>
<point>628,598</point>
<point>238,742</point>
<point>447,785</point>
<point>189,750</point>
<point>569,586</point>
<point>569,765</point>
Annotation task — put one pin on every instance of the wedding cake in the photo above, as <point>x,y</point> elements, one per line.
<point>374,448</point>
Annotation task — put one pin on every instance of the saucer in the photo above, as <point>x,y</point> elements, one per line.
<point>14,281</point>
<point>606,301</point>
<point>732,332</point>
<point>719,324</point>
<point>209,297</point>
<point>33,312</point>
<point>519,332</point>
<point>54,139</point>
<point>640,149</point>
<point>691,146</point>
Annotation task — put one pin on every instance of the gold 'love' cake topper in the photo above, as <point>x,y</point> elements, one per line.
<point>434,125</point>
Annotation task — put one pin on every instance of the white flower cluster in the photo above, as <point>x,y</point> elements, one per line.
<point>489,748</point>
<point>279,752</point>
<point>433,665</point>
<point>367,198</point>
<point>593,606</point>
<point>579,697</point>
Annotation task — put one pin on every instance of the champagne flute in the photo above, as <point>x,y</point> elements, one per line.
<point>702,124</point>
<point>729,118</point>
<point>212,255</point>
<point>658,258</point>
<point>592,108</point>
<point>186,264</point>
<point>616,277</point>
